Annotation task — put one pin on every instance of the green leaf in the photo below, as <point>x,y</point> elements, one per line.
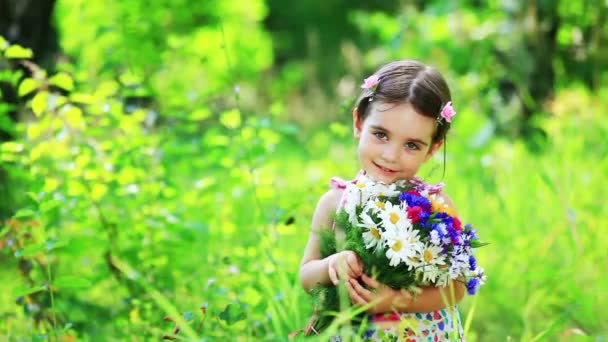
<point>18,51</point>
<point>214,138</point>
<point>24,291</point>
<point>477,243</point>
<point>54,244</point>
<point>231,118</point>
<point>3,43</point>
<point>25,213</point>
<point>71,282</point>
<point>63,81</point>
<point>39,103</point>
<point>30,250</point>
<point>49,205</point>
<point>4,230</point>
<point>200,114</point>
<point>232,314</point>
<point>33,196</point>
<point>73,116</point>
<point>82,98</point>
<point>27,86</point>
<point>11,146</point>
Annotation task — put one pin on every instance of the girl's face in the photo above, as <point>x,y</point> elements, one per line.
<point>394,141</point>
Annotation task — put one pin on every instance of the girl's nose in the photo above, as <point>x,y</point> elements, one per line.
<point>390,153</point>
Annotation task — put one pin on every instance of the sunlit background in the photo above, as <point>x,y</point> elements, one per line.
<point>160,160</point>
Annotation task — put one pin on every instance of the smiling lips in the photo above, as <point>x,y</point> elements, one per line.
<point>384,169</point>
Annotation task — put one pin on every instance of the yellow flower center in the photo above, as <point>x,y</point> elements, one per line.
<point>393,217</point>
<point>427,255</point>
<point>375,233</point>
<point>380,204</point>
<point>397,246</point>
<point>361,185</point>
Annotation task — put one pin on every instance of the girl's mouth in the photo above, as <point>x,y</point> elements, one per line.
<point>383,169</point>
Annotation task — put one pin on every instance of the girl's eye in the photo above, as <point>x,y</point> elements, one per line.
<point>412,146</point>
<point>380,135</point>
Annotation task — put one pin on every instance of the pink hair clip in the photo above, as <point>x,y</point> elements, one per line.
<point>448,112</point>
<point>371,83</point>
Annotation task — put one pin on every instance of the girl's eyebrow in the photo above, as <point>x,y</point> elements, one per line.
<point>380,128</point>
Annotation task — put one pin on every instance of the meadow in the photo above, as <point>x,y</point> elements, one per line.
<point>167,192</point>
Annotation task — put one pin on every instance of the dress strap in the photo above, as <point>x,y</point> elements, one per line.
<point>341,184</point>
<point>338,183</point>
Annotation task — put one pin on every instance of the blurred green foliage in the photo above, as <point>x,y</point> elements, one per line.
<point>161,180</point>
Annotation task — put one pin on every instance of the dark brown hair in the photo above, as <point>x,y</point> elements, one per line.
<point>409,81</point>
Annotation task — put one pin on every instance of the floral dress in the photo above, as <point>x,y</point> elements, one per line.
<point>435,326</point>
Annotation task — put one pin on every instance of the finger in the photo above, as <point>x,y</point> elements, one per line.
<point>373,283</point>
<point>362,292</point>
<point>354,296</point>
<point>355,264</point>
<point>343,271</point>
<point>353,271</point>
<point>333,277</point>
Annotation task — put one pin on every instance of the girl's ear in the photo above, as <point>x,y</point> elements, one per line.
<point>356,124</point>
<point>434,148</point>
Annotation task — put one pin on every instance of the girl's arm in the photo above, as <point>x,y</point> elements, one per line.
<point>313,268</point>
<point>431,299</point>
<point>385,299</point>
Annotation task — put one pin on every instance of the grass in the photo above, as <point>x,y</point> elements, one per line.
<point>236,236</point>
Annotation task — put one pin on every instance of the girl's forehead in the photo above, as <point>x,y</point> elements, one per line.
<point>401,119</point>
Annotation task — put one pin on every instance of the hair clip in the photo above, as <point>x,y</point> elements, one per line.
<point>447,112</point>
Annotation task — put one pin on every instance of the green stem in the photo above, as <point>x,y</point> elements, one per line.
<point>48,273</point>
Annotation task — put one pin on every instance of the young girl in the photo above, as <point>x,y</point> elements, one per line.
<point>400,121</point>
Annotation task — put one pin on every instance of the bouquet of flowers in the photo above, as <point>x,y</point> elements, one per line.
<point>405,235</point>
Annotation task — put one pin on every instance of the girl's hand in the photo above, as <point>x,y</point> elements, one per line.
<point>382,298</point>
<point>344,265</point>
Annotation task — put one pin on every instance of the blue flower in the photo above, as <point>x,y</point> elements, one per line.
<point>472,262</point>
<point>438,230</point>
<point>471,232</point>
<point>413,200</point>
<point>472,286</point>
<point>369,333</point>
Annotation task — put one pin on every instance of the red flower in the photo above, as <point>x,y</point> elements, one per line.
<point>457,224</point>
<point>413,213</point>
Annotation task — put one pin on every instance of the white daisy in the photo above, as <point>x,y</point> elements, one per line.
<point>430,259</point>
<point>372,236</point>
<point>366,189</point>
<point>431,255</point>
<point>351,199</point>
<point>375,206</point>
<point>430,273</point>
<point>403,245</point>
<point>395,216</point>
<point>389,190</point>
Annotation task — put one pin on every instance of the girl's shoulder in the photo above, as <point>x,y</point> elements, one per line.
<point>330,200</point>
